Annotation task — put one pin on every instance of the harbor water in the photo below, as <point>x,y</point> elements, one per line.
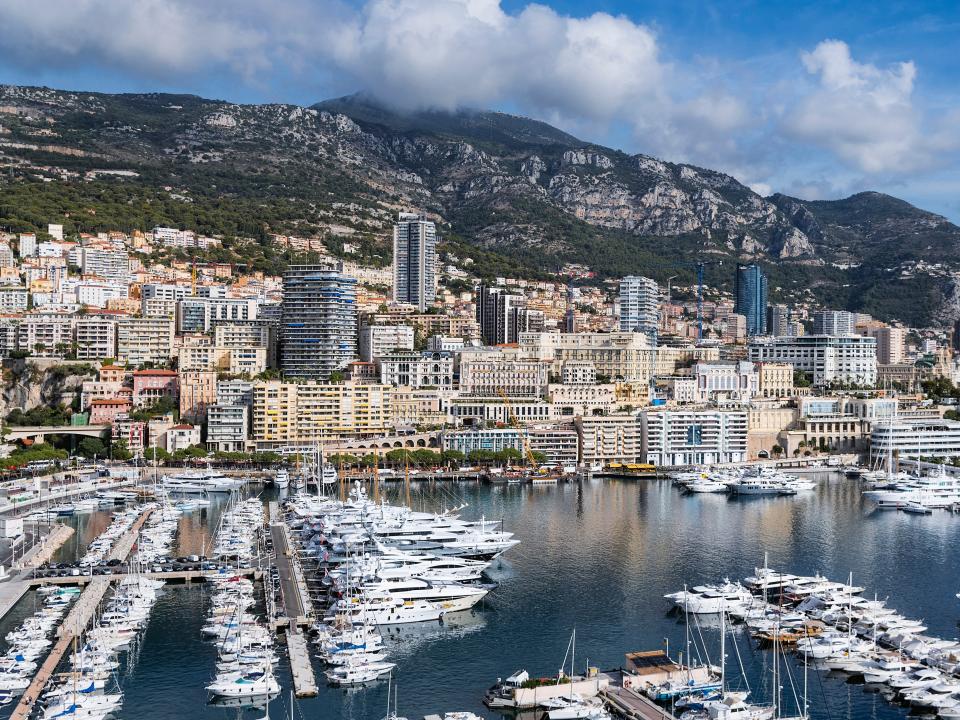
<point>597,556</point>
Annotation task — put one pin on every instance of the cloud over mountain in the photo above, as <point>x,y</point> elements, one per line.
<point>597,73</point>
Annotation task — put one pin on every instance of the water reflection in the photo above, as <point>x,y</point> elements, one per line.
<point>598,556</point>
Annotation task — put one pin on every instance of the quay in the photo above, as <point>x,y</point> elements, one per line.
<point>53,495</point>
<point>77,620</point>
<point>297,609</point>
<point>13,590</point>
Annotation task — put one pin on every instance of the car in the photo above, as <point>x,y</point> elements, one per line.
<point>114,562</point>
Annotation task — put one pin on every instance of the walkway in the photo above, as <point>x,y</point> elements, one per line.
<point>297,606</point>
<point>13,590</point>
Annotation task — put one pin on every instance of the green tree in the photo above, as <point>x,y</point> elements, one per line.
<point>424,456</point>
<point>453,457</point>
<point>399,456</point>
<point>92,447</point>
<point>120,451</point>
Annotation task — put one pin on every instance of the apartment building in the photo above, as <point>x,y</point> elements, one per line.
<point>228,427</point>
<point>96,338</point>
<point>45,335</point>
<point>615,356</point>
<point>198,390</point>
<point>827,359</point>
<point>303,413</point>
<point>379,340</point>
<point>693,437</point>
<point>201,314</point>
<point>145,340</point>
<point>319,324</point>
<point>609,439</point>
<point>149,386</point>
<point>13,300</point>
<point>494,372</point>
<point>418,370</point>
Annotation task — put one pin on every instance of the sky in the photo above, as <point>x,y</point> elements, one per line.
<point>818,100</point>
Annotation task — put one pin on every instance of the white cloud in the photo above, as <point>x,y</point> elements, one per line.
<point>445,54</point>
<point>864,114</point>
<point>150,37</point>
<point>598,75</point>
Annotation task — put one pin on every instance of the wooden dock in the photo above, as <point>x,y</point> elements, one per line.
<point>77,620</point>
<point>631,705</point>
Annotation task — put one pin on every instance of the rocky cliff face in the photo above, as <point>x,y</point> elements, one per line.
<point>33,383</point>
<point>515,186</point>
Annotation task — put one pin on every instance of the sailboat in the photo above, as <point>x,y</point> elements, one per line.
<point>392,714</point>
<point>731,704</point>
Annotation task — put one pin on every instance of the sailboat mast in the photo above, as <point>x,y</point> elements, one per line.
<point>723,648</point>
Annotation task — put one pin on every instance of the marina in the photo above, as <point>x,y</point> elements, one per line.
<point>525,620</point>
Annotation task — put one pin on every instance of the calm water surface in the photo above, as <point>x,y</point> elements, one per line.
<point>598,556</point>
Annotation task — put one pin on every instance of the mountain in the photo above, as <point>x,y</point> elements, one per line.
<point>511,194</point>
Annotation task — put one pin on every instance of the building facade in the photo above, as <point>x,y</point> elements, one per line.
<point>319,321</point>
<point>414,260</point>
<point>639,306</point>
<point>145,340</point>
<point>827,360</point>
<point>379,340</point>
<point>750,293</point>
<point>694,437</point>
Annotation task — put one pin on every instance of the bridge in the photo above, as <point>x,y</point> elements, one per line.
<point>32,432</point>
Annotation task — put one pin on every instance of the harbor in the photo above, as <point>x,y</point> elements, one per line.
<point>638,540</point>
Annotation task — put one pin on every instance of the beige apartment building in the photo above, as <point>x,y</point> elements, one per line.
<point>303,413</point>
<point>144,340</point>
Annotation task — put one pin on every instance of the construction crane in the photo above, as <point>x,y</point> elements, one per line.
<point>514,422</point>
<point>700,266</point>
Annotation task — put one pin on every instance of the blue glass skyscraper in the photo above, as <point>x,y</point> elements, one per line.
<point>751,298</point>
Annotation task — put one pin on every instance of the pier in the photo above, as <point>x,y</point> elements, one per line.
<point>297,608</point>
<point>293,587</point>
<point>77,620</point>
<point>631,705</point>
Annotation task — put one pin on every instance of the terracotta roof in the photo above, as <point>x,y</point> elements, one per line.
<point>110,401</point>
<point>159,373</point>
<point>182,427</point>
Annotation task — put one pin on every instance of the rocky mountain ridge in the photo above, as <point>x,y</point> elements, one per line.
<point>512,190</point>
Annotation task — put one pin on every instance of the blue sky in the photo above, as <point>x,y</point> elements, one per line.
<point>818,100</point>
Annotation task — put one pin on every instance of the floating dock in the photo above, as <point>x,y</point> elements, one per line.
<point>304,681</point>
